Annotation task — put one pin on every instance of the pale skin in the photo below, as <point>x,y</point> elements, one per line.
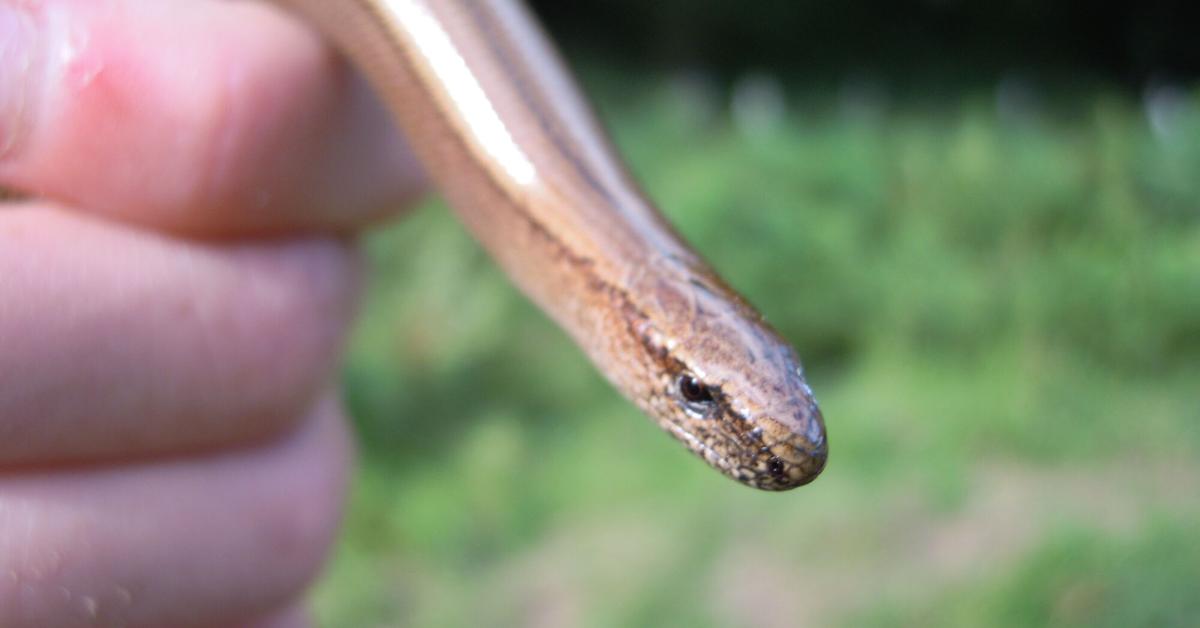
<point>173,300</point>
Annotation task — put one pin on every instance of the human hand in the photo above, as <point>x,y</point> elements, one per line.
<point>173,299</point>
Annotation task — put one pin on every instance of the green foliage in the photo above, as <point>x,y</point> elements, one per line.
<point>989,309</point>
<point>1078,579</point>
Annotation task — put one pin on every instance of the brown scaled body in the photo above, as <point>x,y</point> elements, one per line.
<point>495,117</point>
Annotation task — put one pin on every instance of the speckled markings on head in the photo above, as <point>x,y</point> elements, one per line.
<point>493,114</point>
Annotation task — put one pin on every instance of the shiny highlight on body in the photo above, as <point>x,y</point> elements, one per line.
<point>499,124</point>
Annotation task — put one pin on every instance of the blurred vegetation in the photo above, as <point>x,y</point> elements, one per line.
<point>997,298</point>
<point>1077,579</point>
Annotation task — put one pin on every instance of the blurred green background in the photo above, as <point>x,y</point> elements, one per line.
<point>990,266</point>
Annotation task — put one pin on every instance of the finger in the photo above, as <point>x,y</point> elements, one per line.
<point>119,342</point>
<point>292,617</point>
<point>199,542</point>
<point>211,118</point>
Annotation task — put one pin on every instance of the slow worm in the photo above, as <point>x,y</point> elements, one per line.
<point>499,124</point>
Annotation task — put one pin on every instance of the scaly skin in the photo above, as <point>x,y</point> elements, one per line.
<point>495,117</point>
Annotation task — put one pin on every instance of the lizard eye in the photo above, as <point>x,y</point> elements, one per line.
<point>696,396</point>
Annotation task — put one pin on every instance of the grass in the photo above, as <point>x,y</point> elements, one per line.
<point>1076,578</point>
<point>999,312</point>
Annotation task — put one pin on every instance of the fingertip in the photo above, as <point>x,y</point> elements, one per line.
<point>197,118</point>
<point>187,542</point>
<point>166,345</point>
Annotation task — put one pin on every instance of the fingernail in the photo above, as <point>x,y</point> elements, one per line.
<point>18,60</point>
